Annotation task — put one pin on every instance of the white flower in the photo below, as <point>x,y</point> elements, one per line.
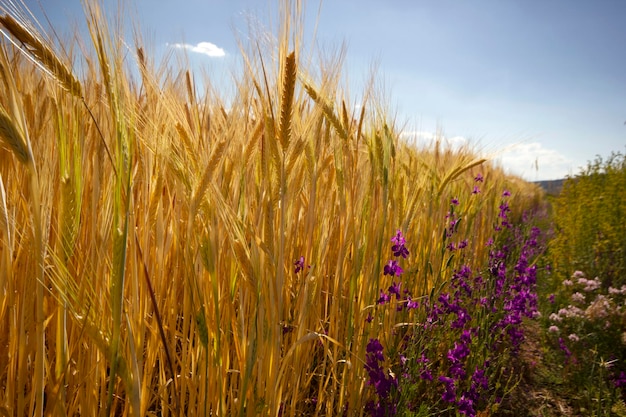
<point>573,337</point>
<point>599,308</point>
<point>571,311</point>
<point>578,297</point>
<point>556,317</point>
<point>592,285</point>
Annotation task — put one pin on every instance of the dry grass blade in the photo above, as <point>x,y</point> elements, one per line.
<point>13,137</point>
<point>43,54</point>
<point>289,85</point>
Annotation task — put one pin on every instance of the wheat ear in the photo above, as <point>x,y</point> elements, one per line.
<point>11,135</point>
<point>327,110</point>
<point>42,54</point>
<point>289,84</point>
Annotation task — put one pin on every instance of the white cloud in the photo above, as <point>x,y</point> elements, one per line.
<point>425,139</point>
<point>532,161</point>
<point>529,160</point>
<point>206,48</point>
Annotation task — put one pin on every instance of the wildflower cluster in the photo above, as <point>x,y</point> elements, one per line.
<point>587,317</point>
<point>515,288</point>
<point>482,319</point>
<point>456,354</point>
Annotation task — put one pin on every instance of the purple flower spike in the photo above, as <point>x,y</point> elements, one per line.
<point>479,177</point>
<point>395,289</point>
<point>398,247</point>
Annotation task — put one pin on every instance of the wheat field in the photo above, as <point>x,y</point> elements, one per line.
<point>150,233</point>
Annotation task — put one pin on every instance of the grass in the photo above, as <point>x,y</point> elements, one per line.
<point>189,257</point>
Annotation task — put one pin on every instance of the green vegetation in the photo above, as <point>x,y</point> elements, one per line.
<point>589,218</point>
<point>583,296</point>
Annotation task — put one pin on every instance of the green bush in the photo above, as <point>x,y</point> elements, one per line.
<point>590,225</point>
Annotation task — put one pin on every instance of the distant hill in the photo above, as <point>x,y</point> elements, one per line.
<point>551,187</point>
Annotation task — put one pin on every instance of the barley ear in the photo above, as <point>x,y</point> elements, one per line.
<point>327,110</point>
<point>289,84</point>
<point>456,172</point>
<point>12,136</point>
<point>43,54</point>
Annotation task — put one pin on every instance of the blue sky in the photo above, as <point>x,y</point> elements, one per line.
<point>539,84</point>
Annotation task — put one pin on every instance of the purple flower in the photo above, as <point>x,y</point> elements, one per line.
<point>458,353</point>
<point>398,239</point>
<point>395,289</point>
<point>564,348</point>
<point>454,201</point>
<point>426,375</point>
<point>392,268</point>
<point>398,247</point>
<point>384,298</point>
<point>480,379</point>
<point>411,304</point>
<point>375,348</point>
<point>466,406</point>
<point>504,208</point>
<point>476,190</point>
<point>506,193</point>
<point>449,394</point>
<point>382,383</point>
<point>479,177</point>
<point>462,318</point>
<point>400,251</point>
<point>299,264</point>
